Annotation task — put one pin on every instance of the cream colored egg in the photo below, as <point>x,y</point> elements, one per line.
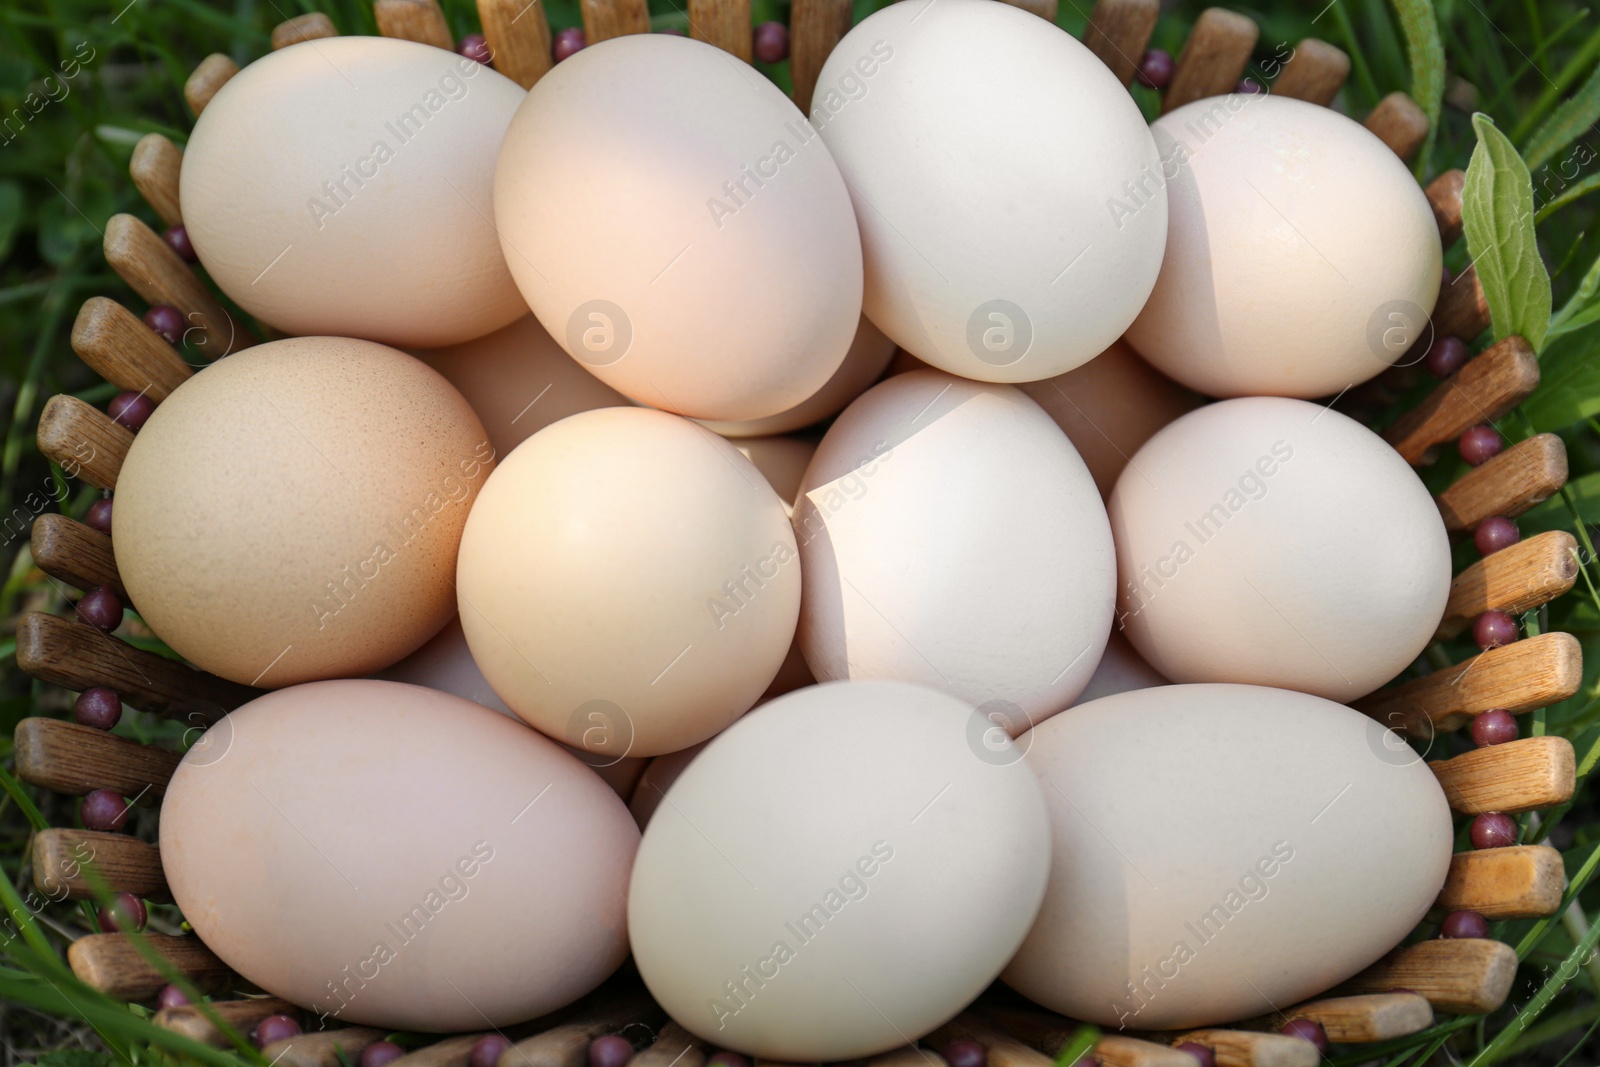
<point>951,536</point>
<point>1111,406</point>
<point>1276,844</point>
<point>864,364</point>
<point>628,582</point>
<point>1274,542</point>
<point>988,192</point>
<point>292,512</point>
<point>344,186</point>
<point>1302,257</point>
<point>1120,670</point>
<point>844,868</point>
<point>680,229</point>
<point>519,381</point>
<point>392,856</point>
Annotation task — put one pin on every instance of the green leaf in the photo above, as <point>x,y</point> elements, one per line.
<point>1568,195</point>
<point>1497,214</point>
<point>1581,308</point>
<point>10,215</point>
<point>1426,53</point>
<point>77,1057</point>
<point>1569,386</point>
<point>1565,124</point>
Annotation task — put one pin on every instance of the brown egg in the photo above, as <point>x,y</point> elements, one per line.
<point>293,512</point>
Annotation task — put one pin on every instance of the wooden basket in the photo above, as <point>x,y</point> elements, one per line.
<point>1395,997</point>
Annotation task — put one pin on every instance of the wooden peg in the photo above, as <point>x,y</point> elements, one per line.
<point>567,1045</point>
<point>1315,73</point>
<point>1213,57</point>
<point>1481,391</point>
<point>815,26</point>
<point>68,653</point>
<point>1398,122</point>
<point>113,964</point>
<point>1513,580</point>
<point>65,757</point>
<point>312,26</point>
<point>1367,1017</point>
<point>677,1047</point>
<point>605,19</point>
<point>1113,1050</point>
<point>1118,32</point>
<point>1518,776</point>
<point>155,272</point>
<point>518,32</point>
<point>74,553</point>
<point>83,440</point>
<point>1444,196</point>
<point>1252,1048</point>
<point>1463,309</point>
<point>1050,1033</point>
<point>724,23</point>
<point>1462,976</point>
<point>1528,473</point>
<point>68,863</point>
<point>323,1048</point>
<point>904,1056</point>
<point>1516,882</point>
<point>117,345</point>
<point>154,168</point>
<point>242,1015</point>
<point>1532,673</point>
<point>1045,9</point>
<point>1002,1050</point>
<point>212,74</point>
<point>451,1052</point>
<point>421,21</point>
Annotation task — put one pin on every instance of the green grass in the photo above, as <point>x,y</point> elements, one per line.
<point>1533,67</point>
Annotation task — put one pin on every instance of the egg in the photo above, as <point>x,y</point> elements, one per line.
<point>1302,257</point>
<point>679,228</point>
<point>845,867</point>
<point>1275,846</point>
<point>781,460</point>
<point>1120,670</point>
<point>519,381</point>
<point>344,186</point>
<point>864,363</point>
<point>657,779</point>
<point>1271,541</point>
<point>1002,242</point>
<point>396,857</point>
<point>628,582</point>
<point>950,535</point>
<point>1111,406</point>
<point>292,512</point>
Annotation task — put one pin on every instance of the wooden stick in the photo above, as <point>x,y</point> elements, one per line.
<point>1516,882</point>
<point>113,964</point>
<point>1367,1017</point>
<point>243,1015</point>
<point>904,1056</point>
<point>83,440</point>
<point>117,345</point>
<point>1532,673</point>
<point>1118,32</point>
<point>1518,776</point>
<point>65,757</point>
<point>157,274</point>
<point>1463,309</point>
<point>1528,473</point>
<point>212,74</point>
<point>815,26</point>
<point>451,1052</point>
<point>1444,196</point>
<point>724,23</point>
<point>421,21</point>
<point>1045,9</point>
<point>1462,976</point>
<point>1050,1033</point>
<point>677,1047</point>
<point>1213,57</point>
<point>1513,580</point>
<point>76,554</point>
<point>1002,1049</point>
<point>1113,1050</point>
<point>605,19</point>
<point>1252,1048</point>
<point>518,32</point>
<point>322,1048</point>
<point>63,859</point>
<point>74,656</point>
<point>567,1045</point>
<point>1398,122</point>
<point>1480,392</point>
<point>312,26</point>
<point>154,168</point>
<point>1315,73</point>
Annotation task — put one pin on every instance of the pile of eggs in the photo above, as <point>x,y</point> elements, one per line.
<point>1032,665</point>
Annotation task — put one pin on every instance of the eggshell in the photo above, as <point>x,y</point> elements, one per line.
<point>1272,845</point>
<point>343,186</point>
<point>292,512</point>
<point>1120,670</point>
<point>519,381</point>
<point>628,582</point>
<point>657,779</point>
<point>863,365</point>
<point>679,228</point>
<point>801,897</point>
<point>397,857</point>
<point>1271,541</point>
<point>1302,257</point>
<point>950,535</point>
<point>992,246</point>
<point>1111,406</point>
